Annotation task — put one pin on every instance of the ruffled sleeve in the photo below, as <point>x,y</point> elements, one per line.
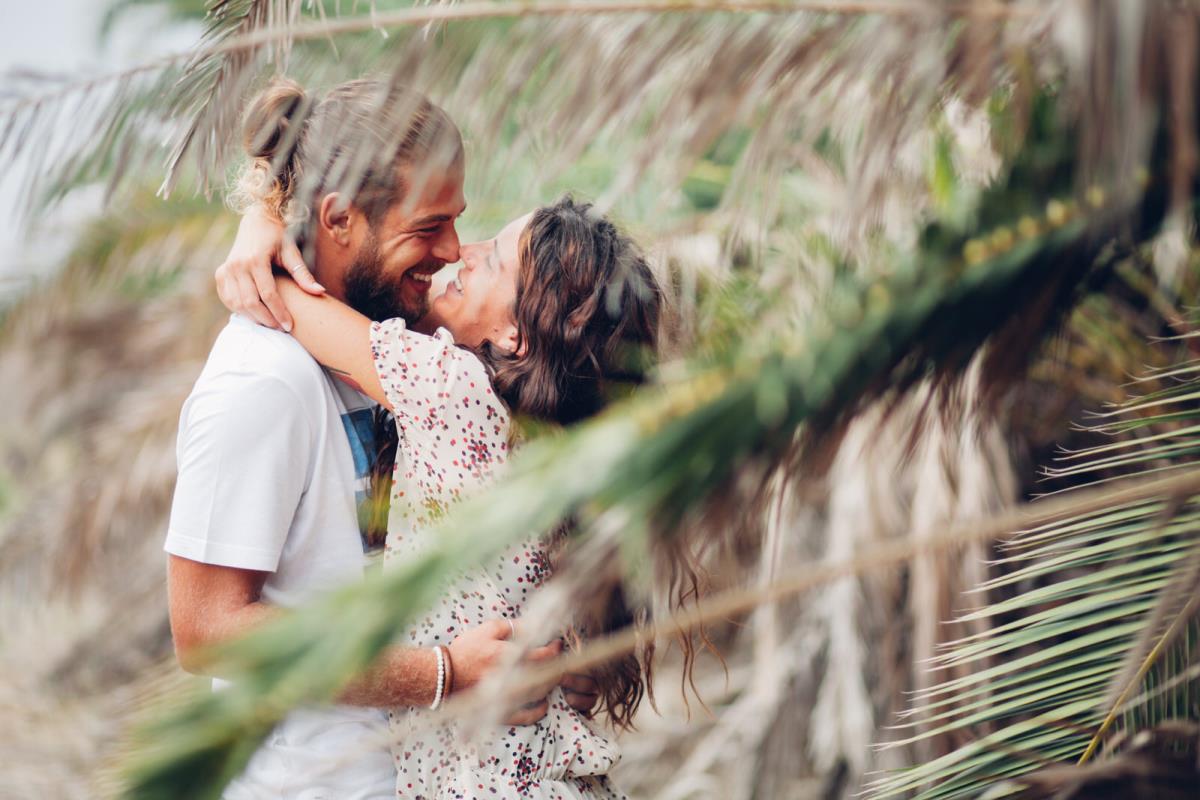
<point>439,390</point>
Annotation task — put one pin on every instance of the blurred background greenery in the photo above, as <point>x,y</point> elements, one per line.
<point>881,233</point>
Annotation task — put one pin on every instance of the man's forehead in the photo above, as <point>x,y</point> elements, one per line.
<point>438,198</point>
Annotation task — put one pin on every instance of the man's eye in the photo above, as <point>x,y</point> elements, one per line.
<point>427,231</point>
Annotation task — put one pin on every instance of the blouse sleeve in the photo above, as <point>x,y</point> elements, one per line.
<point>440,389</point>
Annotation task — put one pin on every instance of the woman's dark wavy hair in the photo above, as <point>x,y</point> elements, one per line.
<point>587,311</point>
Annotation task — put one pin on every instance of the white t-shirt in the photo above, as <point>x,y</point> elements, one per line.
<point>269,466</point>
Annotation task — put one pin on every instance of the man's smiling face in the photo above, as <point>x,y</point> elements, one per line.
<point>390,275</point>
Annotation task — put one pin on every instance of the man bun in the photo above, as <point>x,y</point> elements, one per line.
<point>272,120</point>
<point>271,133</point>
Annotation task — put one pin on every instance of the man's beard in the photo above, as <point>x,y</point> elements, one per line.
<point>369,291</point>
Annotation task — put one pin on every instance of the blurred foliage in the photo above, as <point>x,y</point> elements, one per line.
<point>660,458</point>
<point>796,307</point>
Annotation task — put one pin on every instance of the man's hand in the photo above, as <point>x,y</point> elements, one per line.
<point>581,692</point>
<point>478,651</point>
<point>245,283</point>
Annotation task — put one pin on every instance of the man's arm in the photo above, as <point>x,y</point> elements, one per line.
<point>211,604</point>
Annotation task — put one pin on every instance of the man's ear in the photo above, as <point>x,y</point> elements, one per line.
<point>335,218</point>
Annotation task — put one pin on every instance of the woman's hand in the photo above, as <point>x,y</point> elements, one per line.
<point>245,283</point>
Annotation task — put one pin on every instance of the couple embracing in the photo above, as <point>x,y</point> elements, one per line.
<point>320,400</point>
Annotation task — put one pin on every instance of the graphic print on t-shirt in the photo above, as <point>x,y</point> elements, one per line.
<point>360,424</point>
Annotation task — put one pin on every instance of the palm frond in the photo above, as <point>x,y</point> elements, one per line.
<point>663,454</point>
<point>678,75</point>
<point>1178,607</point>
<point>1064,652</point>
<point>97,360</point>
<point>213,76</point>
<point>1159,763</point>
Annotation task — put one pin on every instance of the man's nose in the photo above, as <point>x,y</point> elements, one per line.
<point>446,247</point>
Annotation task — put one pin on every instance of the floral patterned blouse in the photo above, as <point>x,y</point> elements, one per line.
<point>453,435</point>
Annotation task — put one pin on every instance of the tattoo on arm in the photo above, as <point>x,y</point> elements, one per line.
<point>345,378</point>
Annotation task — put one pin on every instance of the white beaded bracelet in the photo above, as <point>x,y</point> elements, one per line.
<point>441,679</point>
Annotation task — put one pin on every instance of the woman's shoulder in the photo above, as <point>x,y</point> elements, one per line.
<point>467,359</point>
<point>394,338</point>
<point>412,364</point>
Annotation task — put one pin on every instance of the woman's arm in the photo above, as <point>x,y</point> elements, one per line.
<point>244,281</point>
<point>336,335</point>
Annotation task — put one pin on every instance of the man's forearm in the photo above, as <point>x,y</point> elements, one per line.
<point>401,676</point>
<point>211,605</point>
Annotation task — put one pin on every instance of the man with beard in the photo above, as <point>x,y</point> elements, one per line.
<point>273,451</point>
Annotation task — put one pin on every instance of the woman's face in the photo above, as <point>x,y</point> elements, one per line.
<point>477,306</point>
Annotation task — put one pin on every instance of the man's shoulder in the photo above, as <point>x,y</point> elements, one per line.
<point>254,353</point>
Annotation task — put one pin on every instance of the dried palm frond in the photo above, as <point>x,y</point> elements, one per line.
<point>672,77</point>
<point>97,361</point>
<point>911,474</point>
<point>212,75</point>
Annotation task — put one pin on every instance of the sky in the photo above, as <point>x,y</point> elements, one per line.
<point>61,37</point>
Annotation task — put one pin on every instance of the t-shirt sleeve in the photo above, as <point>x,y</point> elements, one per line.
<point>437,387</point>
<point>244,450</point>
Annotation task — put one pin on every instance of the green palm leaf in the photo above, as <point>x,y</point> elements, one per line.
<point>1095,582</point>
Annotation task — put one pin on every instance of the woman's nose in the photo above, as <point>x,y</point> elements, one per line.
<point>470,252</point>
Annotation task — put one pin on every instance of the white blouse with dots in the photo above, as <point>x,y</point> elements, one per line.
<point>453,435</point>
